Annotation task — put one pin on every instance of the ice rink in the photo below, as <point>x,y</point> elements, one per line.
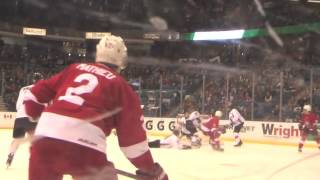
<point>249,162</point>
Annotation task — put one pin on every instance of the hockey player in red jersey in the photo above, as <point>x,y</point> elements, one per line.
<point>88,100</point>
<point>308,125</point>
<point>211,128</point>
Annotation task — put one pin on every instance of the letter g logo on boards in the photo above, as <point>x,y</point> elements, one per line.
<point>172,125</point>
<point>149,125</point>
<point>160,125</point>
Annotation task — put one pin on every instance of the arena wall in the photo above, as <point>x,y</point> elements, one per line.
<point>276,133</point>
<point>7,120</point>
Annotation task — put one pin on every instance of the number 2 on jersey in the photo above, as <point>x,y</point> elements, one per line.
<point>73,94</point>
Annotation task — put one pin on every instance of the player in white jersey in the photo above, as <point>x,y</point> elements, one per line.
<point>236,121</point>
<point>172,141</point>
<point>189,128</point>
<point>22,123</point>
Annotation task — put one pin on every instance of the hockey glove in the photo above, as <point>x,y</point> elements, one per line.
<point>157,173</point>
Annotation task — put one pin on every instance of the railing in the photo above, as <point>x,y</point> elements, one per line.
<point>270,95</point>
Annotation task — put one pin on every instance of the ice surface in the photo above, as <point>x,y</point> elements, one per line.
<point>250,162</point>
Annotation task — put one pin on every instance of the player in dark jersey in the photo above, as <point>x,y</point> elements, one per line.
<point>87,101</point>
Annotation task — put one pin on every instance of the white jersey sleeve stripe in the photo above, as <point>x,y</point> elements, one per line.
<point>72,130</point>
<point>135,150</point>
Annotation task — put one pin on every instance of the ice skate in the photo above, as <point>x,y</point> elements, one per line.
<point>196,142</point>
<point>238,144</point>
<point>300,150</point>
<point>9,160</point>
<point>218,149</point>
<point>186,147</point>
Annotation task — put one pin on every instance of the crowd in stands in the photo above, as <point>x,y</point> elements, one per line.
<point>260,78</point>
<point>18,63</point>
<point>256,91</point>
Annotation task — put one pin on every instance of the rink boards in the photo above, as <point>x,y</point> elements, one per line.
<point>278,133</point>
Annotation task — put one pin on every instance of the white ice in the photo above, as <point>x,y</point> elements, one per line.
<point>249,162</point>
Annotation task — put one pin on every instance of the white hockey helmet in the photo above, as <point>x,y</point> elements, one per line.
<point>36,77</point>
<point>307,108</point>
<point>218,113</point>
<point>196,114</point>
<point>111,49</point>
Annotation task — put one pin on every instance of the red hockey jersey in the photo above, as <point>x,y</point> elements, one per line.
<point>88,100</point>
<point>310,119</point>
<point>212,123</point>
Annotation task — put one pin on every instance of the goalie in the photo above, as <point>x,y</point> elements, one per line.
<point>212,129</point>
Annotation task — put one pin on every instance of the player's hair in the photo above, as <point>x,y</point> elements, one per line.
<point>112,50</point>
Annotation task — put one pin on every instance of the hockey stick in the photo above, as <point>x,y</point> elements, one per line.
<point>127,174</point>
<point>107,172</point>
<point>107,114</point>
